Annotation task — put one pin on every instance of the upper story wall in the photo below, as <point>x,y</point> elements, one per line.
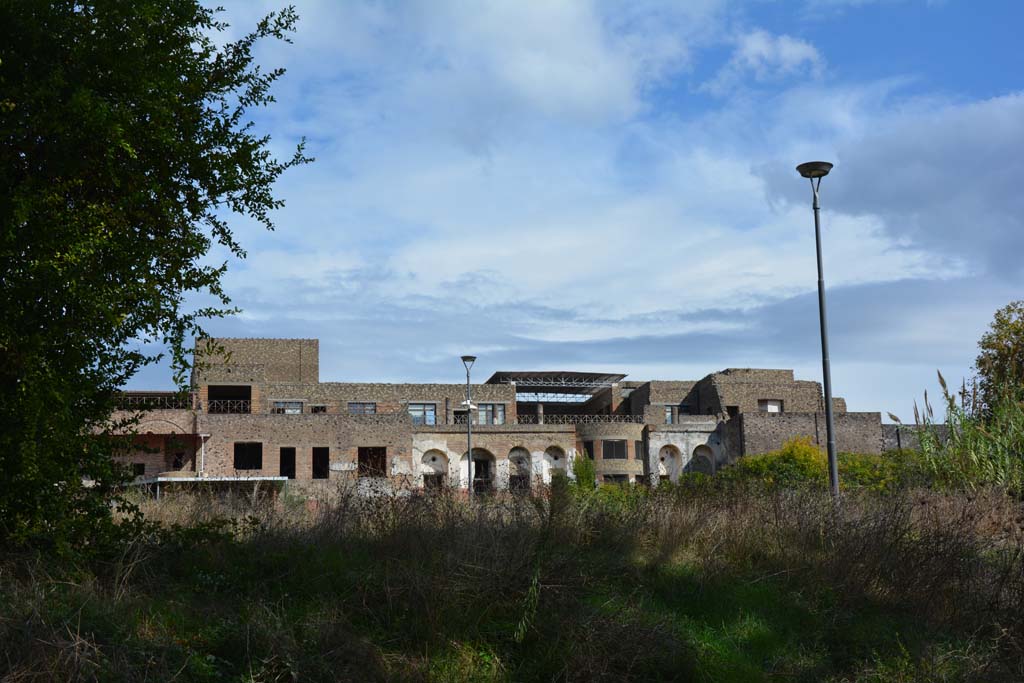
<point>744,388</point>
<point>388,397</point>
<point>257,361</point>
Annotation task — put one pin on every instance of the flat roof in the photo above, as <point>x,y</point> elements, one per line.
<point>556,381</point>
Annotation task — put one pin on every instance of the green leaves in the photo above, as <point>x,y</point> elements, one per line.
<point>124,151</point>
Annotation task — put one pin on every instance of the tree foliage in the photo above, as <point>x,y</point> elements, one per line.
<point>1000,362</point>
<point>125,147</point>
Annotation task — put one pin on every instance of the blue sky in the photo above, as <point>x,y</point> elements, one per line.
<point>611,186</point>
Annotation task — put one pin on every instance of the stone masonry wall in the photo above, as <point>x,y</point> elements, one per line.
<point>343,434</point>
<point>261,360</point>
<point>855,432</point>
<point>388,397</point>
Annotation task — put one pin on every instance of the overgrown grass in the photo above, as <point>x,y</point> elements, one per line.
<point>579,585</point>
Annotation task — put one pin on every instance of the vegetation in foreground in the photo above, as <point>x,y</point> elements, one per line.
<point>724,583</point>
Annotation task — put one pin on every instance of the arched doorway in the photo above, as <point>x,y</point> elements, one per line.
<point>519,469</point>
<point>669,459</point>
<point>434,468</point>
<point>555,460</point>
<point>703,460</point>
<point>483,470</point>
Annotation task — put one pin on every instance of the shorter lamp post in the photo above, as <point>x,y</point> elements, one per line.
<point>815,171</point>
<point>468,362</point>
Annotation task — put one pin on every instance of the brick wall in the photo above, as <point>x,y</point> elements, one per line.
<point>855,432</point>
<point>261,360</point>
<point>343,434</point>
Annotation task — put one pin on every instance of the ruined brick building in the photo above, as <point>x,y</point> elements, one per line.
<point>260,411</point>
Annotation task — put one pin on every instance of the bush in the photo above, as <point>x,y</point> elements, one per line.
<point>798,463</point>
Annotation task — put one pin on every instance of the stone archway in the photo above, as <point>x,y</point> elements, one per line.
<point>703,460</point>
<point>484,470</point>
<point>434,469</point>
<point>669,461</point>
<point>520,470</point>
<point>555,460</point>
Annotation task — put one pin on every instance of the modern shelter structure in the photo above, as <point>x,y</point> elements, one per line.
<point>257,410</point>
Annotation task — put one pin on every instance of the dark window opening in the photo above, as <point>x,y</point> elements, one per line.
<point>373,461</point>
<point>588,448</point>
<point>519,482</point>
<point>638,450</point>
<point>138,469</point>
<point>288,462</point>
<point>433,482</point>
<point>362,408</point>
<point>732,411</point>
<point>317,409</point>
<point>229,399</point>
<point>616,479</point>
<point>178,461</point>
<point>482,481</point>
<point>613,449</point>
<point>248,455</point>
<point>321,462</point>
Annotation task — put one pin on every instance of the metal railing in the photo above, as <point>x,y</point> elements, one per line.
<point>580,419</point>
<point>153,401</point>
<point>223,406</point>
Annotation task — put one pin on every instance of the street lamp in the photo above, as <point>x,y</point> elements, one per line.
<point>468,362</point>
<point>815,171</point>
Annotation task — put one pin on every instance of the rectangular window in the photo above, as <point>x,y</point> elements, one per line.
<point>248,455</point>
<point>641,480</point>
<point>321,462</point>
<point>317,409</point>
<point>616,478</point>
<point>287,408</point>
<point>491,414</point>
<point>423,413</point>
<point>373,461</point>
<point>288,462</point>
<point>613,449</point>
<point>138,469</point>
<point>732,411</point>
<point>638,450</point>
<point>588,448</point>
<point>362,408</point>
<point>669,415</point>
<point>769,405</point>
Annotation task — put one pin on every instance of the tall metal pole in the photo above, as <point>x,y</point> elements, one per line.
<point>469,434</point>
<point>833,463</point>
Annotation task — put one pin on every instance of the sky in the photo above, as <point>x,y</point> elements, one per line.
<point>611,186</point>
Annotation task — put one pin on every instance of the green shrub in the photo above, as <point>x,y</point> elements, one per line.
<point>798,463</point>
<point>585,472</point>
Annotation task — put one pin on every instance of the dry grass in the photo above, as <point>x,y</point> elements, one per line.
<point>609,585</point>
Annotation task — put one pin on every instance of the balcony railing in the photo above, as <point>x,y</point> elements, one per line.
<point>155,401</point>
<point>580,419</point>
<point>224,406</point>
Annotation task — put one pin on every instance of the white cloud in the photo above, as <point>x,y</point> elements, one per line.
<point>766,58</point>
<point>505,177</point>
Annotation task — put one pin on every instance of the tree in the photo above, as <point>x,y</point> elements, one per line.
<point>1000,363</point>
<point>125,147</point>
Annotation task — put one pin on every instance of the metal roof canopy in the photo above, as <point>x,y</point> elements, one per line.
<point>556,381</point>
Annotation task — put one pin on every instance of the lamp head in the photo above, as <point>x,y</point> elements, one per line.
<point>468,361</point>
<point>814,169</point>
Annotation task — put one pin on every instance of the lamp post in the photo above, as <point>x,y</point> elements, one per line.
<point>468,362</point>
<point>815,171</point>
